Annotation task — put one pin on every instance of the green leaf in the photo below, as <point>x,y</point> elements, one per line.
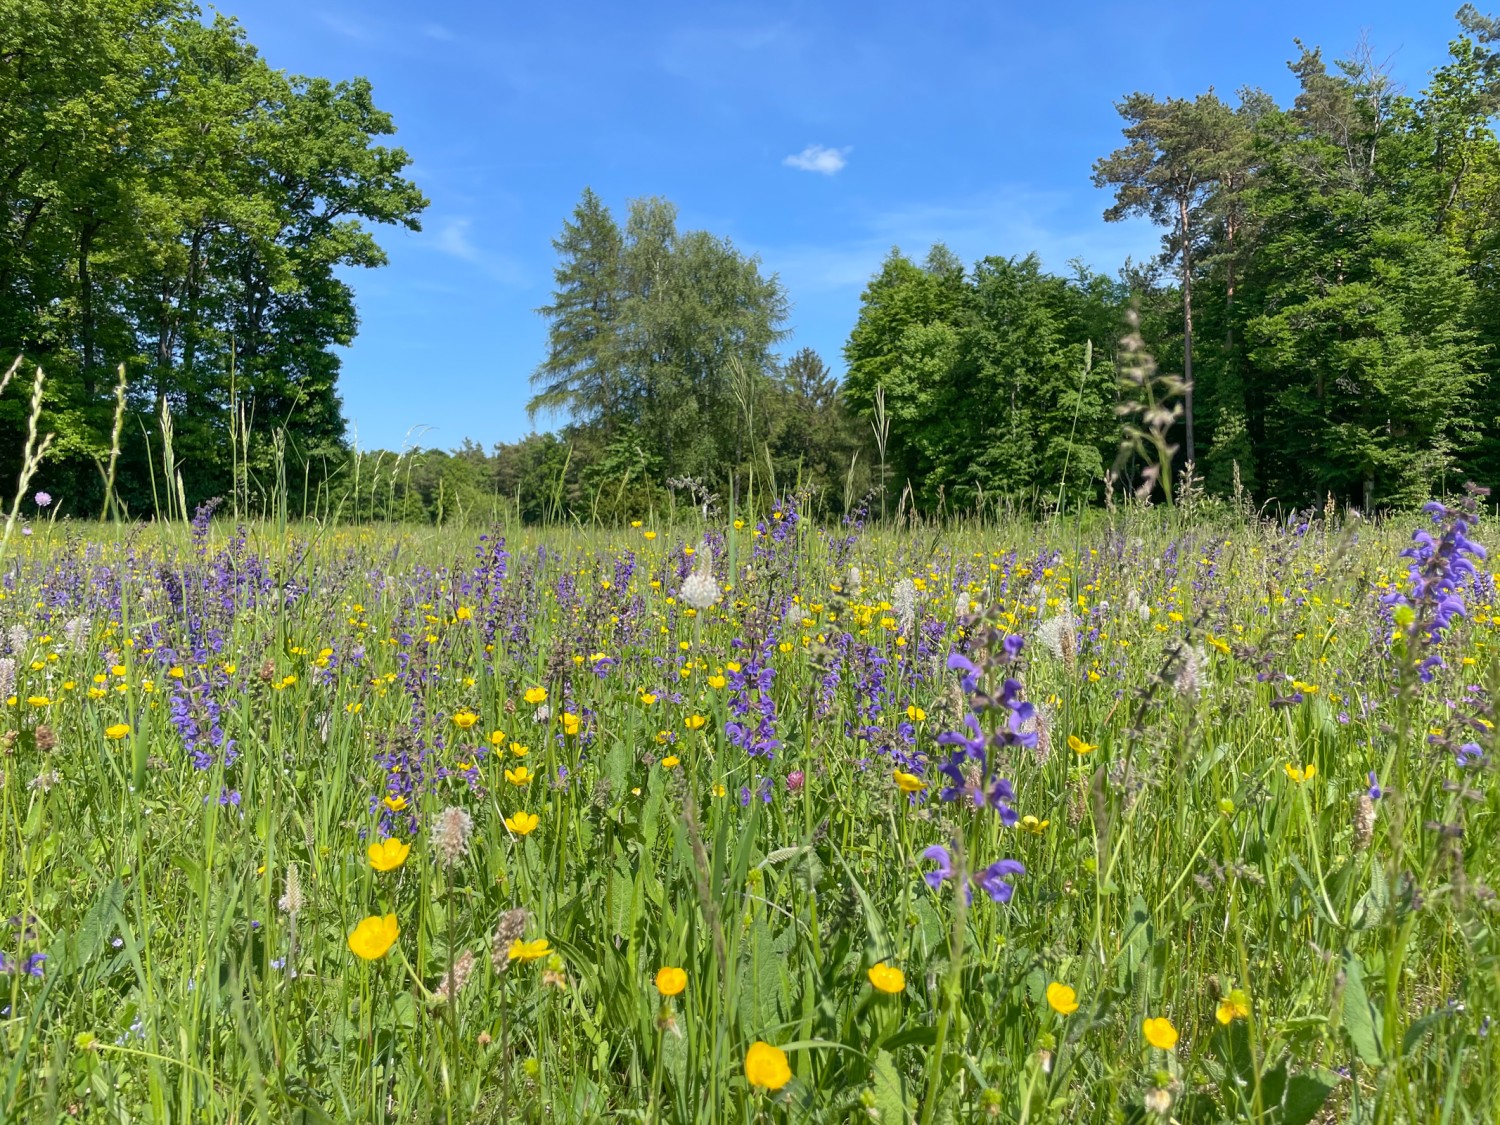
<point>889,1101</point>
<point>1305,1095</point>
<point>1359,1013</point>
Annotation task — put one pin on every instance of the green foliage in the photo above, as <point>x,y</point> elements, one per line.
<point>174,203</point>
<point>984,377</point>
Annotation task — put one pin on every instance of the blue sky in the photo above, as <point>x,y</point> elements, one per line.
<point>814,135</point>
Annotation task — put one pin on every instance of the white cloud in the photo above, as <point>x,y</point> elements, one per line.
<point>349,29</point>
<point>818,158</point>
<point>452,238</point>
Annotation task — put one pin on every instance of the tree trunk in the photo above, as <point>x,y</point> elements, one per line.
<point>1187,324</point>
<point>86,309</point>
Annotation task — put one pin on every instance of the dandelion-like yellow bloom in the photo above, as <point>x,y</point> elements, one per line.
<point>1235,1006</point>
<point>766,1066</point>
<point>670,981</point>
<point>465,719</point>
<point>535,695</point>
<point>523,823</point>
<point>1062,999</point>
<point>1079,746</point>
<point>372,939</point>
<point>1160,1033</point>
<point>528,950</point>
<point>1299,774</point>
<point>388,854</point>
<point>909,782</point>
<point>116,731</point>
<point>521,775</point>
<point>887,978</point>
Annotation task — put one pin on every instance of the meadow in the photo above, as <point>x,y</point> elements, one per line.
<point>1124,817</point>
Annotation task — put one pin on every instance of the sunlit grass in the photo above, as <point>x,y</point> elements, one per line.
<point>385,825</point>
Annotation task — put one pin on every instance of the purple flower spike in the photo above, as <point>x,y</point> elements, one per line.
<point>944,869</point>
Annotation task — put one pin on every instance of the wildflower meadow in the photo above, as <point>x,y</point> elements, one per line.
<point>1120,817</point>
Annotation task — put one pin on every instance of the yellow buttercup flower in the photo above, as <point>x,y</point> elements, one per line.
<point>909,782</point>
<point>1079,746</point>
<point>766,1066</point>
<point>1160,1033</point>
<point>523,823</point>
<point>395,804</point>
<point>887,978</point>
<point>1033,825</point>
<point>535,695</point>
<point>915,713</point>
<point>1299,774</point>
<point>372,939</point>
<point>521,775</point>
<point>1235,1006</point>
<point>1062,999</point>
<point>465,719</point>
<point>528,950</point>
<point>670,981</point>
<point>388,854</point>
<point>116,731</point>
<point>671,762</point>
<point>694,722</point>
<point>570,723</point>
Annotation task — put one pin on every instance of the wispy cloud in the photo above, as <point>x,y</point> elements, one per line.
<point>359,32</point>
<point>818,158</point>
<point>454,238</point>
<point>437,31</point>
<point>1010,221</point>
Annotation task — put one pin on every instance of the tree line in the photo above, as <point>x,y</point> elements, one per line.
<point>172,203</point>
<point>1324,310</point>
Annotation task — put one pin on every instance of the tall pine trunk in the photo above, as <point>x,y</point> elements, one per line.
<point>1187,322</point>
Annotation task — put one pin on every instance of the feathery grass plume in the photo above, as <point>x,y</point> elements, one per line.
<point>1150,405</point>
<point>455,979</point>
<point>1059,636</point>
<point>904,602</point>
<point>1364,822</point>
<point>450,835</point>
<point>511,928</point>
<point>32,454</point>
<point>291,901</point>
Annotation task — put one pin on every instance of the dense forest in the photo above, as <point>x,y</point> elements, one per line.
<point>1323,318</point>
